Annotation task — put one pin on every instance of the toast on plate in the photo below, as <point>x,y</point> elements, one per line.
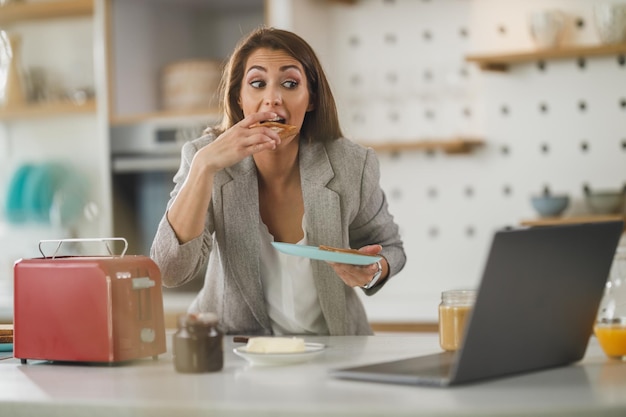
<point>341,250</point>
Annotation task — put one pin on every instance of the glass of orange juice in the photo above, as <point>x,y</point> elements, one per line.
<point>611,334</point>
<point>610,327</point>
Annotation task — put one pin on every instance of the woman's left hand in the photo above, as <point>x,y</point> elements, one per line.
<point>360,275</point>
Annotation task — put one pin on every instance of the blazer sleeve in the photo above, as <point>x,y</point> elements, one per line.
<point>180,263</point>
<point>373,223</point>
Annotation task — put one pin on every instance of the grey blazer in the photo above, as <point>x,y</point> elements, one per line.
<point>344,206</point>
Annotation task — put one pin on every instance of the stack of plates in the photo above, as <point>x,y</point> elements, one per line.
<point>6,337</point>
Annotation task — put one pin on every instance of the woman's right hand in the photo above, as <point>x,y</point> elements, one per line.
<point>188,211</point>
<point>240,141</point>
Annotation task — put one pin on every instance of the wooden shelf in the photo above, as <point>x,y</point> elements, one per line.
<point>32,111</point>
<point>20,12</point>
<point>448,146</point>
<point>501,62</point>
<point>550,221</point>
<point>210,113</point>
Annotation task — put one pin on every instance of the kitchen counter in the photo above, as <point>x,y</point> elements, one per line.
<point>595,386</point>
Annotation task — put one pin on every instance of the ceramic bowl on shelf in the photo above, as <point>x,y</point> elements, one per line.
<point>546,28</point>
<point>610,22</point>
<point>605,202</point>
<point>548,205</point>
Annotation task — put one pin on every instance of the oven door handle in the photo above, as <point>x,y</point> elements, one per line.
<point>151,163</point>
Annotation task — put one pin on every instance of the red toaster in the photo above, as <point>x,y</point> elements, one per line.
<point>87,308</point>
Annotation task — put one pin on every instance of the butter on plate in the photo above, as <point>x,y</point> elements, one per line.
<point>275,345</point>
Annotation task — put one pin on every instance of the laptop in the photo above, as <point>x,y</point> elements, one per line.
<point>535,308</point>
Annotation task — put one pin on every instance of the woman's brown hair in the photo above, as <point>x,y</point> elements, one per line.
<point>322,122</point>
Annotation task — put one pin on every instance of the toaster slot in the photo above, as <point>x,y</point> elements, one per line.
<point>142,286</point>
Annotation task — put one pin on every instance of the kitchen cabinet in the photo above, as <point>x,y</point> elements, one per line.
<point>62,41</point>
<point>501,61</point>
<point>145,36</point>
<point>15,14</point>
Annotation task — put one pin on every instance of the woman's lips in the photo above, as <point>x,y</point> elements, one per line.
<point>277,120</point>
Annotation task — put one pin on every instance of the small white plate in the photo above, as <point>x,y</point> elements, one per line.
<point>311,350</point>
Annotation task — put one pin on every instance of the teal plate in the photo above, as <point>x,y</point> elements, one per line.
<point>314,252</point>
<point>6,347</point>
<point>14,206</point>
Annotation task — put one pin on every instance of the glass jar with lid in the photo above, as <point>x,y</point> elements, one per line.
<point>454,311</point>
<point>198,344</point>
<point>610,327</point>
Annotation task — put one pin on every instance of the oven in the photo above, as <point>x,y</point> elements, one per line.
<point>145,157</point>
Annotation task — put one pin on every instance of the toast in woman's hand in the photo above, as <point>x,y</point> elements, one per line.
<point>284,131</point>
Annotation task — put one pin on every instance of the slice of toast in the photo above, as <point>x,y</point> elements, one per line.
<point>332,249</point>
<point>284,131</point>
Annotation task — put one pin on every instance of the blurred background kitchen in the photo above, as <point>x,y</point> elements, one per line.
<point>476,108</point>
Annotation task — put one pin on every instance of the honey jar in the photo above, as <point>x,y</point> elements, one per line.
<point>454,311</point>
<point>198,344</point>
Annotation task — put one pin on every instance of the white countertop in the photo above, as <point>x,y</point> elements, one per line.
<point>596,386</point>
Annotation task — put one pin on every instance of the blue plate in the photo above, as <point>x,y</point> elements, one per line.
<point>37,193</point>
<point>314,252</point>
<point>6,347</point>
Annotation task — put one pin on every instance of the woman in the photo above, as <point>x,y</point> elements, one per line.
<point>240,187</point>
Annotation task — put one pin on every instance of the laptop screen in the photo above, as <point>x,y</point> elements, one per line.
<point>538,298</point>
<point>536,306</point>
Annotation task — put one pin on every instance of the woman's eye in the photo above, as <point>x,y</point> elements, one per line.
<point>257,84</point>
<point>290,84</point>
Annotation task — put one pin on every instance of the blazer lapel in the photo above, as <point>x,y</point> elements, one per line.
<point>240,233</point>
<point>323,211</point>
<point>239,187</point>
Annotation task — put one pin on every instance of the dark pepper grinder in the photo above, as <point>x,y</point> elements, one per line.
<point>198,344</point>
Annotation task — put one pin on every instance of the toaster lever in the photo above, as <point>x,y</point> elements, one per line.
<point>142,283</point>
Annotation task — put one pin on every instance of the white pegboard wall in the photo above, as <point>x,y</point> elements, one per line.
<point>398,72</point>
<point>382,81</point>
